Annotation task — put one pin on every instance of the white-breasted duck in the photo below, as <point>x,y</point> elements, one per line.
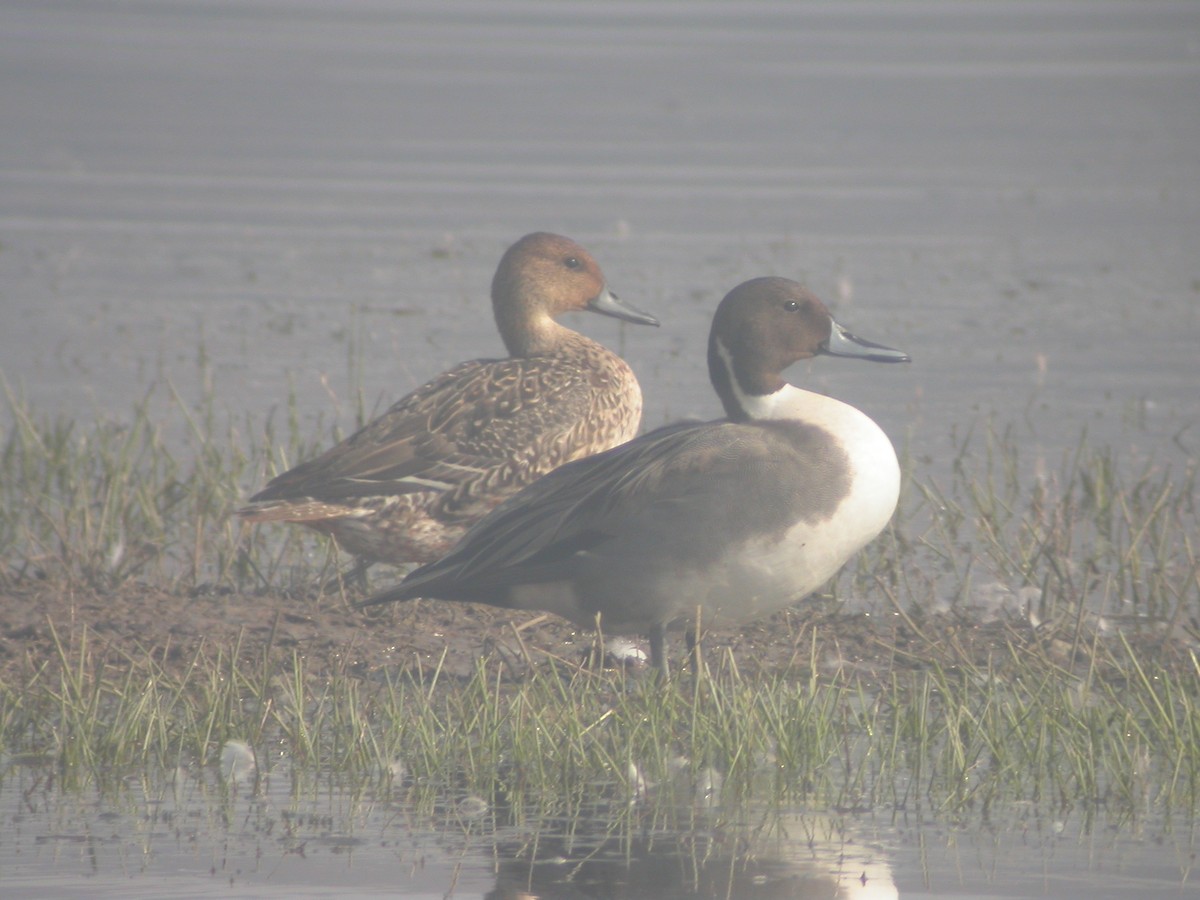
<point>722,521</point>
<point>406,486</point>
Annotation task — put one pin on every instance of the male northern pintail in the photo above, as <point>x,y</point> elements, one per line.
<point>406,486</point>
<point>719,522</point>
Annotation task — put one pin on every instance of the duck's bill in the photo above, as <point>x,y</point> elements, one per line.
<point>843,343</point>
<point>607,303</point>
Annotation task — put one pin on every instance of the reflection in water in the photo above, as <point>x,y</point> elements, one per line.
<point>268,837</point>
<point>796,857</point>
<point>196,834</point>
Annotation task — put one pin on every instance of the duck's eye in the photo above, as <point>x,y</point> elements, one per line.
<point>791,305</point>
<point>572,262</point>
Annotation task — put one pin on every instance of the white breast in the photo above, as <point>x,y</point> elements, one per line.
<point>776,573</point>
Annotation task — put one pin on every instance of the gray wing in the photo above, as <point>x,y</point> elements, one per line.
<point>742,476</point>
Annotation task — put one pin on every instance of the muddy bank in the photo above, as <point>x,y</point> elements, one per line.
<point>139,623</point>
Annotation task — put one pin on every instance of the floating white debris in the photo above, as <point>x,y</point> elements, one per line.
<point>709,783</point>
<point>637,784</point>
<point>237,761</point>
<point>472,807</point>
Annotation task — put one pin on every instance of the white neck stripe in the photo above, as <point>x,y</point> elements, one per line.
<point>755,406</point>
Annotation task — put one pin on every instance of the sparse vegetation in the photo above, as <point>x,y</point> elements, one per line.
<point>1077,687</point>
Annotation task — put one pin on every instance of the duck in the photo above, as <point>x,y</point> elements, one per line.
<point>405,487</point>
<point>717,523</point>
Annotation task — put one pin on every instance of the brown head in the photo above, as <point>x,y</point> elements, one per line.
<point>765,325</point>
<point>541,277</point>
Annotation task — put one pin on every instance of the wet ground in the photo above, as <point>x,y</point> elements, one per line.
<point>273,197</point>
<point>331,636</point>
<point>187,833</point>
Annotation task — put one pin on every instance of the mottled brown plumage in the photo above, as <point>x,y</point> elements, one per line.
<point>406,486</point>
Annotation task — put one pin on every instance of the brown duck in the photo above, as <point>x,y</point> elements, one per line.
<point>405,487</point>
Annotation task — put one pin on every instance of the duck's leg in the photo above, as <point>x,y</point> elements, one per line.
<point>693,635</point>
<point>658,658</point>
<point>355,575</point>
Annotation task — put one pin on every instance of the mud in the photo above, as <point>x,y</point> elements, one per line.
<point>41,624</point>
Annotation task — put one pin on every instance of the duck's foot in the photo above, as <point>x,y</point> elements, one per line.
<point>355,576</point>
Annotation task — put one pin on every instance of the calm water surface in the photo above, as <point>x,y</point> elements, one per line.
<point>318,198</point>
<point>194,837</point>
<point>278,196</point>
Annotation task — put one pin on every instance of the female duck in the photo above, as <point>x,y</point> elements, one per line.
<point>406,486</point>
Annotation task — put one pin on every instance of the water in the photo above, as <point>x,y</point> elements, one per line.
<point>1009,192</point>
<point>284,195</point>
<point>194,837</point>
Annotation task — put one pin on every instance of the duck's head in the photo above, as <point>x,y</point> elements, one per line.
<point>765,325</point>
<point>541,277</point>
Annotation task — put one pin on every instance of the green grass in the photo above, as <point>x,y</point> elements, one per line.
<point>561,739</point>
<point>1085,695</point>
<point>115,502</point>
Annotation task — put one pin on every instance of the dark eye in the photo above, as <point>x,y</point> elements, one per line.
<point>572,262</point>
<point>791,305</point>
